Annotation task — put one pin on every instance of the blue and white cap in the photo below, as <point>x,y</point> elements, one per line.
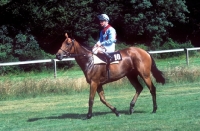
<point>103,17</point>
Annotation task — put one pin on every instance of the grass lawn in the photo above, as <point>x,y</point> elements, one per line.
<point>178,110</point>
<point>37,101</point>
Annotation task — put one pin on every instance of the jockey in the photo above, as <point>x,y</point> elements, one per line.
<point>107,38</point>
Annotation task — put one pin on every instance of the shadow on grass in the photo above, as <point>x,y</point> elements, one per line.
<point>63,116</point>
<point>80,116</point>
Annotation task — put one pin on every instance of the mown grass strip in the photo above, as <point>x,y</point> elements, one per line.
<point>178,109</point>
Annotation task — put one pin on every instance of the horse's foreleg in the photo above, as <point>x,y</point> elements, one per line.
<point>93,89</point>
<point>103,100</point>
<point>132,104</point>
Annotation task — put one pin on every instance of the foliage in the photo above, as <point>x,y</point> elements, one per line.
<point>120,46</point>
<point>42,24</point>
<point>190,31</point>
<point>170,44</point>
<point>5,45</point>
<point>142,46</point>
<point>6,50</point>
<point>49,20</point>
<point>4,2</point>
<point>153,18</point>
<point>135,20</point>
<point>26,47</point>
<point>21,48</point>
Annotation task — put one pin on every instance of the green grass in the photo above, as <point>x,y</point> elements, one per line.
<point>37,101</point>
<point>35,84</point>
<point>178,109</point>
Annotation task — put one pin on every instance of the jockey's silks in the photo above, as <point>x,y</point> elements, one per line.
<point>108,38</point>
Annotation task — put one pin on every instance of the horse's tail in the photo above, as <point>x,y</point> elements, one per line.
<point>158,75</point>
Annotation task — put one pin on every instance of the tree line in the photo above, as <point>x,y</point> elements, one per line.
<point>31,28</point>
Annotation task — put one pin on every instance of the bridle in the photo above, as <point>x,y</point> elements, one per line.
<point>67,52</point>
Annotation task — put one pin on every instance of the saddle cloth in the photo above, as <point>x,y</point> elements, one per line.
<point>116,57</point>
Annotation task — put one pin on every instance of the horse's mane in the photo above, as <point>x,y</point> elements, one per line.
<point>86,46</point>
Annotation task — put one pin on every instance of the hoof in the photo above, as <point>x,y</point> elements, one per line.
<point>131,111</point>
<point>116,112</point>
<point>89,116</point>
<point>153,111</point>
<point>132,104</point>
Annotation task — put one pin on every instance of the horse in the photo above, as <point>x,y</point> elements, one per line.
<point>135,62</point>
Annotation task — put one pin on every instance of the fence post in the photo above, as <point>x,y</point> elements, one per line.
<point>187,56</point>
<point>55,72</point>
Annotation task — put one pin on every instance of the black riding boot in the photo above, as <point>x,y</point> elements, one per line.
<point>108,57</point>
<point>108,60</point>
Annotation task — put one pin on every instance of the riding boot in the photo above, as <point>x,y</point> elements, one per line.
<point>108,57</point>
<point>108,60</point>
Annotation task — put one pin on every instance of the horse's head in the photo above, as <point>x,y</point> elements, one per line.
<point>66,48</point>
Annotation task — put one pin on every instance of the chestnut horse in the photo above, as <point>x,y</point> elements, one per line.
<point>135,62</point>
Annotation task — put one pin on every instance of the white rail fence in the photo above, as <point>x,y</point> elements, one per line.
<point>38,61</point>
<point>54,61</point>
<point>177,50</point>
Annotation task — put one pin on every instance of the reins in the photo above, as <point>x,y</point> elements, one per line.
<point>68,54</point>
<point>95,48</point>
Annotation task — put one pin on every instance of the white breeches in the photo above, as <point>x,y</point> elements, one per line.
<point>110,48</point>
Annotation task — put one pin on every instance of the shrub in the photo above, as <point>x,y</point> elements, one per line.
<point>120,46</point>
<point>21,48</point>
<point>142,46</point>
<point>6,50</point>
<point>170,44</point>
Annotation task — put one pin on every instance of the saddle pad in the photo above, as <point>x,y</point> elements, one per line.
<point>99,61</point>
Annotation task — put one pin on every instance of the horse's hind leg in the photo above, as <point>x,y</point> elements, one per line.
<point>103,100</point>
<point>152,89</point>
<point>138,87</point>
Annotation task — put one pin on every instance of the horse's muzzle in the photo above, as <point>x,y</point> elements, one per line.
<point>59,56</point>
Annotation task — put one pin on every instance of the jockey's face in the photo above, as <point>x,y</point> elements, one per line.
<point>103,23</point>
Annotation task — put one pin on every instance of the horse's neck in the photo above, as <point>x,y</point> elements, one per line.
<point>84,57</point>
<point>81,50</point>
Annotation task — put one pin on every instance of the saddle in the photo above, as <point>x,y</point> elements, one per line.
<point>101,59</point>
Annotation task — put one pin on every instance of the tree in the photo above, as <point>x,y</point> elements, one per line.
<point>6,46</point>
<point>192,30</point>
<point>20,48</point>
<point>151,19</point>
<point>135,20</point>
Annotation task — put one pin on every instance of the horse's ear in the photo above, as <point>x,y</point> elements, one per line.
<point>66,35</point>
